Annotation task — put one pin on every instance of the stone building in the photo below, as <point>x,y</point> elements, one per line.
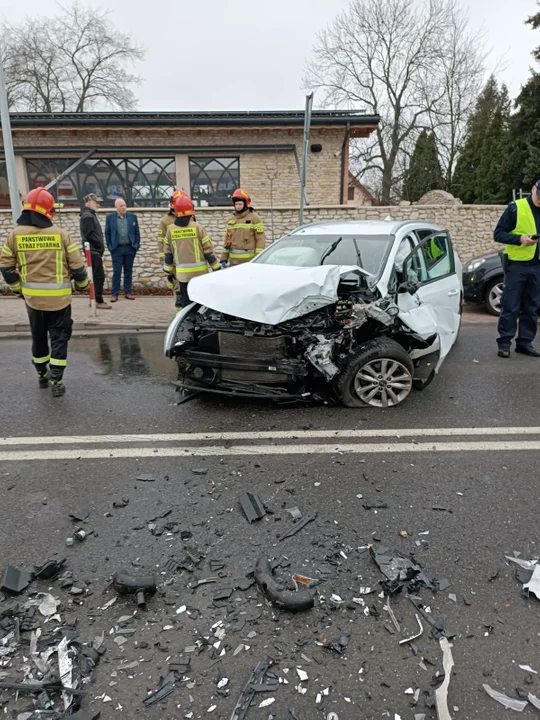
<point>142,156</point>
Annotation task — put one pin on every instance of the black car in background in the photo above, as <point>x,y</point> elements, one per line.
<point>483,282</point>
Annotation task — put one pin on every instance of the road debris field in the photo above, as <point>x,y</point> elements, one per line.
<point>180,593</point>
<point>157,562</point>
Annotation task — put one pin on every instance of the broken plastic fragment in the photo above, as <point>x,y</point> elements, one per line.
<point>509,703</point>
<point>267,702</point>
<point>15,581</point>
<point>533,586</point>
<point>528,668</point>
<point>302,674</point>
<point>307,581</point>
<point>297,526</point>
<point>252,506</point>
<point>139,586</point>
<point>534,700</point>
<point>525,564</point>
<point>413,637</point>
<point>48,605</point>
<point>284,599</point>
<point>441,693</point>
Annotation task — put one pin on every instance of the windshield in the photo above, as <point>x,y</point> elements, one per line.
<point>366,251</point>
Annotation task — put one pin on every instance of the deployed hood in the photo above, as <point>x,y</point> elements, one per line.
<point>269,294</point>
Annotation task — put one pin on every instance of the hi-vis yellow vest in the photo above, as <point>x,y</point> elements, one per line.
<point>525,225</point>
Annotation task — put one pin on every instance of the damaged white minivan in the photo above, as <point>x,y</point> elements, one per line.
<point>357,312</point>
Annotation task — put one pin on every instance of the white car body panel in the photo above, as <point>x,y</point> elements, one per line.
<point>269,294</point>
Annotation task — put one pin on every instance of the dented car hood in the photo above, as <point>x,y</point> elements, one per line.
<point>269,294</point>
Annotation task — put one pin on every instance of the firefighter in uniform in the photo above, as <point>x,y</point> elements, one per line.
<point>188,249</point>
<point>244,238</point>
<point>38,262</point>
<point>165,221</point>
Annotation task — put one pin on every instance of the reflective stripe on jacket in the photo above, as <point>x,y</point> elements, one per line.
<point>244,238</point>
<point>189,251</point>
<point>41,263</point>
<point>525,225</point>
<point>167,220</point>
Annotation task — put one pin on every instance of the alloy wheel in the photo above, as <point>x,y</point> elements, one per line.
<point>382,382</point>
<point>494,297</point>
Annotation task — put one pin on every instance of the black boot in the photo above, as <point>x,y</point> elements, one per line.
<point>43,379</point>
<point>57,386</point>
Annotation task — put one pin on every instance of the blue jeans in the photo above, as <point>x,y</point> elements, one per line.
<point>122,258</point>
<point>520,301</point>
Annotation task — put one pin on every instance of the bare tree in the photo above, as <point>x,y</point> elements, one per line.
<point>390,59</point>
<point>73,62</point>
<point>461,71</point>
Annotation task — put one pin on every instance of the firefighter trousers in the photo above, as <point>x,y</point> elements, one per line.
<point>54,327</point>
<point>182,297</point>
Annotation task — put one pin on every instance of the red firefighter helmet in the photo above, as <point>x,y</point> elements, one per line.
<point>240,194</point>
<point>176,193</point>
<point>41,201</point>
<point>183,206</point>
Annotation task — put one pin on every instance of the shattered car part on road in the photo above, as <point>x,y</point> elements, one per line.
<point>282,599</point>
<point>363,332</point>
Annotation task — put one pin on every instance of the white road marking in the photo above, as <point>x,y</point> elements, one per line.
<point>267,435</point>
<point>259,450</point>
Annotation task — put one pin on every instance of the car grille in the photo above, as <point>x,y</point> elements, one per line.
<point>256,348</point>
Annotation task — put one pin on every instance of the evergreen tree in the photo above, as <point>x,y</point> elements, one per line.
<point>524,165</point>
<point>493,177</point>
<point>424,172</point>
<point>481,174</point>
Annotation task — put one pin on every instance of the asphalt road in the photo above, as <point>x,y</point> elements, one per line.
<point>465,498</point>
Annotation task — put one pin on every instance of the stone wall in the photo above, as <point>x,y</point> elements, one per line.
<point>470,226</point>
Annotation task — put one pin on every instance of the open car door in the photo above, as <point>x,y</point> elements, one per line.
<point>432,306</point>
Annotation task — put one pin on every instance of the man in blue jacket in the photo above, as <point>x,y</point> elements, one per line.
<point>123,239</point>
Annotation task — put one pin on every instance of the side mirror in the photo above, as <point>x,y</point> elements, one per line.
<point>408,287</point>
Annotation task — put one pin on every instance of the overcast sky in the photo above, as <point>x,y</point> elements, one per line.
<point>251,54</point>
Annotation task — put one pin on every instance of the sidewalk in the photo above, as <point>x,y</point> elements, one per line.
<point>142,314</point>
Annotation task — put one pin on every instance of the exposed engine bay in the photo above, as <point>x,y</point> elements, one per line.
<point>299,359</point>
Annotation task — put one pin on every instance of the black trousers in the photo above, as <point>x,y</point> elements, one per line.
<point>519,305</point>
<point>98,272</point>
<point>54,326</point>
<point>182,297</point>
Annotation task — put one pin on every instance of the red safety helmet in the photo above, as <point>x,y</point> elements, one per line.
<point>241,195</point>
<point>183,206</point>
<point>176,194</point>
<point>41,201</point>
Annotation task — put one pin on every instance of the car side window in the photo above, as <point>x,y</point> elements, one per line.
<point>431,260</point>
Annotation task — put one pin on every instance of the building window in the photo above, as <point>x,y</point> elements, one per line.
<point>143,182</point>
<point>350,195</point>
<point>213,180</point>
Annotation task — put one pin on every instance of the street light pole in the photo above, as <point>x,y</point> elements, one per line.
<point>303,177</point>
<point>5,124</point>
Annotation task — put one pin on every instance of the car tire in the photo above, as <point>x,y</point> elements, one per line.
<point>377,374</point>
<point>492,296</point>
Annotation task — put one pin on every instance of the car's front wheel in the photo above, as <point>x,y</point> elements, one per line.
<point>378,374</point>
<point>493,296</point>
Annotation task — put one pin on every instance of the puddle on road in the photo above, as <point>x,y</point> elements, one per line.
<point>127,356</point>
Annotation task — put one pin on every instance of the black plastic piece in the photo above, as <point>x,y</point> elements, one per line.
<point>82,715</point>
<point>140,586</point>
<point>298,526</point>
<point>252,506</point>
<point>283,599</point>
<point>49,569</point>
<point>15,581</point>
<point>246,696</point>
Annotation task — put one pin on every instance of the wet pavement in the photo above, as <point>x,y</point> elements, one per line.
<point>459,512</point>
